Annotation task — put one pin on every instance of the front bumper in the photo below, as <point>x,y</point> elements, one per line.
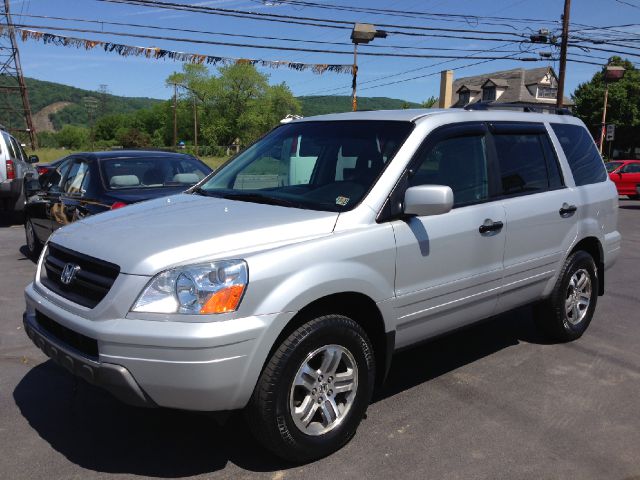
<point>114,378</point>
<point>207,366</point>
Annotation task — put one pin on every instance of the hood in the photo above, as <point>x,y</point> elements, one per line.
<point>149,237</point>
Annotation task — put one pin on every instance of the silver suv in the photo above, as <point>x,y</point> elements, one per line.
<point>16,170</point>
<point>283,283</point>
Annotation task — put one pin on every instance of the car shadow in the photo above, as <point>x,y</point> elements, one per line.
<point>9,219</point>
<point>25,255</point>
<point>95,431</point>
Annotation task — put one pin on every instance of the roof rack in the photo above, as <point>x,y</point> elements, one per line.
<point>539,108</point>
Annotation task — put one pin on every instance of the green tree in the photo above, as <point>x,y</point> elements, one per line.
<point>236,103</point>
<point>73,137</point>
<point>430,102</point>
<point>624,97</point>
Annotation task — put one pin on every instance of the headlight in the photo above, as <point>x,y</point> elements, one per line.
<point>215,287</point>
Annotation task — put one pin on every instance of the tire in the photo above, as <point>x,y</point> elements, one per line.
<point>34,246</point>
<point>324,346</point>
<point>567,313</point>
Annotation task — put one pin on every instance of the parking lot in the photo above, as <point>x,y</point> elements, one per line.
<point>492,401</point>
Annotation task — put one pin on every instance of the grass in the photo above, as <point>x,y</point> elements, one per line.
<point>47,155</point>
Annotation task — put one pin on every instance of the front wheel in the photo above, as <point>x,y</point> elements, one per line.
<point>314,390</point>
<point>567,313</point>
<point>33,244</point>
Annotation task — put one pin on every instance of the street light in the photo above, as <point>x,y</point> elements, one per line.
<point>361,33</point>
<point>612,73</point>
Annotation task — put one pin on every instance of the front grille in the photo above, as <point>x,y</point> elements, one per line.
<point>92,281</point>
<point>83,344</point>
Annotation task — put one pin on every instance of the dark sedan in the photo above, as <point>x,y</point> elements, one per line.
<point>89,183</point>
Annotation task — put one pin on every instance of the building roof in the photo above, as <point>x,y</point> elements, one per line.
<point>514,81</point>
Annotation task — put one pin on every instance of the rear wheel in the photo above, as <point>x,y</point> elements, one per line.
<point>567,313</point>
<point>314,389</point>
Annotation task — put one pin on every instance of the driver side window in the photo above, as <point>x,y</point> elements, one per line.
<point>458,162</point>
<point>631,168</point>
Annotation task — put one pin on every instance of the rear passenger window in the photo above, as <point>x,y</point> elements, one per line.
<point>460,163</point>
<point>523,167</point>
<point>583,157</point>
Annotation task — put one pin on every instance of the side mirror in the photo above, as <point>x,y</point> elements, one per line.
<point>33,159</point>
<point>33,187</point>
<point>423,200</point>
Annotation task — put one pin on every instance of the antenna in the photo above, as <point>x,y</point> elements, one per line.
<point>12,82</point>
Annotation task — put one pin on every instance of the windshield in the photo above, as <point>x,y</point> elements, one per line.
<point>611,166</point>
<point>315,165</point>
<point>152,172</point>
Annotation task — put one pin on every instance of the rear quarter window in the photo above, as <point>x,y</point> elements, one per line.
<point>583,157</point>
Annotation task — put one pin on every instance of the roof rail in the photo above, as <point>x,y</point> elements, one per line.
<point>538,108</point>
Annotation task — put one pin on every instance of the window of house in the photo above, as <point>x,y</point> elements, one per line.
<point>547,92</point>
<point>465,97</point>
<point>488,94</point>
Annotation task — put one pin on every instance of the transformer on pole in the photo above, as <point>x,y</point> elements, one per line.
<point>13,90</point>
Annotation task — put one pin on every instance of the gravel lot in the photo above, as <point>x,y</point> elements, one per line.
<point>493,401</point>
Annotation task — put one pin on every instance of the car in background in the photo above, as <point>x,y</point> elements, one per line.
<point>626,175</point>
<point>16,170</point>
<point>44,168</point>
<point>85,184</point>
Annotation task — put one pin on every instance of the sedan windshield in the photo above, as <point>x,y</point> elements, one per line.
<point>315,165</point>
<point>152,172</point>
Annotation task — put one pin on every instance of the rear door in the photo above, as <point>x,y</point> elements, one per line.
<point>540,211</point>
<point>449,267</point>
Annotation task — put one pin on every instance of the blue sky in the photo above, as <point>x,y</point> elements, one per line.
<point>136,76</point>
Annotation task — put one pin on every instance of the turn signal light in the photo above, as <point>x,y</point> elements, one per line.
<point>117,205</point>
<point>225,300</point>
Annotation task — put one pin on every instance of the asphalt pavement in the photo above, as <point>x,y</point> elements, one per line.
<point>494,401</point>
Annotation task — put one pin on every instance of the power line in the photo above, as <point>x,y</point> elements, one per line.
<point>397,74</point>
<point>247,45</point>
<point>345,24</point>
<point>244,35</point>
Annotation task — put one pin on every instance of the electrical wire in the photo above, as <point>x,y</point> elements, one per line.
<point>247,45</point>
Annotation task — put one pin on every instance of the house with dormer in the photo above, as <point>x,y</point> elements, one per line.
<point>518,86</point>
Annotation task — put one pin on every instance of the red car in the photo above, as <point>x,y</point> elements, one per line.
<point>626,175</point>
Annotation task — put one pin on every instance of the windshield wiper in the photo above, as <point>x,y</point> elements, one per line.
<point>257,198</point>
<point>204,193</point>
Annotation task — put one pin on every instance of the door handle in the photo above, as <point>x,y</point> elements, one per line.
<point>490,226</point>
<point>567,210</point>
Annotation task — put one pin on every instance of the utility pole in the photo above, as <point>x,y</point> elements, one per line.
<point>13,79</point>
<point>361,33</point>
<point>563,53</point>
<point>195,123</point>
<point>91,104</point>
<point>354,71</point>
<point>175,115</point>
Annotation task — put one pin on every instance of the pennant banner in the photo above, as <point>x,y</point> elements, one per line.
<point>160,53</point>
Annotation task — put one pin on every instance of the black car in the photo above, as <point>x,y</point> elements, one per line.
<point>88,183</point>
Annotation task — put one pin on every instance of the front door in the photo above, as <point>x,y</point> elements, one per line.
<point>628,179</point>
<point>449,267</point>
